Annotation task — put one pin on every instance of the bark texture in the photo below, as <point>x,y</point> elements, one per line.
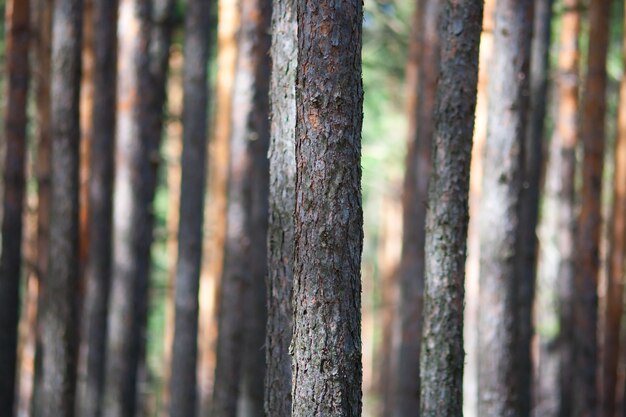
<point>326,343</point>
<point>585,318</point>
<point>282,202</point>
<point>421,103</point>
<point>98,268</point>
<point>448,214</point>
<point>183,380</point>
<point>17,46</point>
<point>615,265</point>
<point>58,320</point>
<point>498,385</point>
<point>531,191</point>
<point>143,57</point>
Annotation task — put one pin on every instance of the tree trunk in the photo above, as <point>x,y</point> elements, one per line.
<point>183,381</point>
<point>585,300</point>
<point>143,56</point>
<point>18,39</point>
<point>531,190</point>
<point>615,264</point>
<point>498,386</point>
<point>447,219</point>
<point>422,86</point>
<point>328,241</point>
<point>282,205</point>
<point>59,287</point>
<point>98,268</point>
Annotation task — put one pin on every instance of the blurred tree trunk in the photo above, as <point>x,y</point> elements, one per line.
<point>422,72</point>
<point>282,205</point>
<point>328,238</point>
<point>41,72</point>
<point>183,381</point>
<point>59,287</point>
<point>18,75</point>
<point>447,218</point>
<point>615,264</point>
<point>242,316</point>
<point>100,195</point>
<point>531,191</point>
<point>500,232</point>
<point>143,56</point>
<point>585,298</point>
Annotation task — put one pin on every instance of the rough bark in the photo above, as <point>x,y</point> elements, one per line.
<point>585,317</point>
<point>615,265</point>
<point>421,103</point>
<point>531,190</point>
<point>17,46</point>
<point>183,381</point>
<point>326,343</point>
<point>448,215</point>
<point>498,386</point>
<point>98,268</point>
<point>282,205</point>
<point>59,287</point>
<point>242,310</point>
<point>143,56</point>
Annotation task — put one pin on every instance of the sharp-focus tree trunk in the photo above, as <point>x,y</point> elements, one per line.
<point>422,82</point>
<point>498,386</point>
<point>183,381</point>
<point>240,355</point>
<point>98,268</point>
<point>18,37</point>
<point>282,201</point>
<point>442,353</point>
<point>58,322</point>
<point>143,57</point>
<point>328,241</point>
<point>531,190</point>
<point>585,300</point>
<point>615,264</point>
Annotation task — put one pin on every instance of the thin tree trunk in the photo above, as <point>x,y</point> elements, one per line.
<point>531,190</point>
<point>282,205</point>
<point>328,216</point>
<point>143,56</point>
<point>421,103</point>
<point>498,386</point>
<point>195,113</point>
<point>615,264</point>
<point>585,300</point>
<point>448,214</point>
<point>18,40</point>
<point>59,287</point>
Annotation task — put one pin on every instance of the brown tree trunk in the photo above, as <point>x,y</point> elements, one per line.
<point>585,300</point>
<point>498,386</point>
<point>442,354</point>
<point>59,287</point>
<point>422,72</point>
<point>328,241</point>
<point>98,268</point>
<point>143,56</point>
<point>18,37</point>
<point>195,113</point>
<point>615,264</point>
<point>282,204</point>
<point>531,190</point>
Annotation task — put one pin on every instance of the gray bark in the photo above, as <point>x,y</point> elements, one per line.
<point>58,319</point>
<point>500,232</point>
<point>183,382</point>
<point>282,201</point>
<point>448,213</point>
<point>326,343</point>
